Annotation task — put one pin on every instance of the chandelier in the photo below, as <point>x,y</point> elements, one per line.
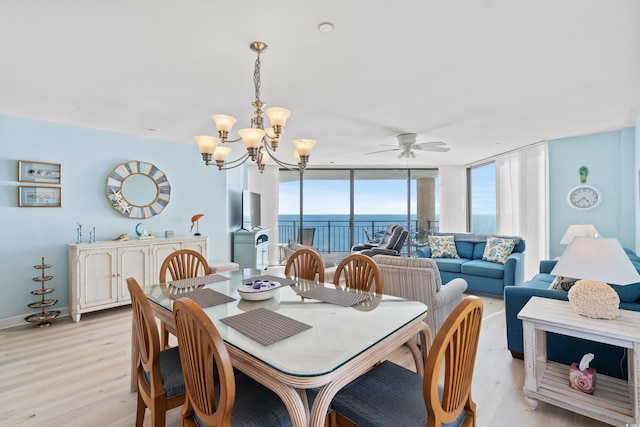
<point>260,143</point>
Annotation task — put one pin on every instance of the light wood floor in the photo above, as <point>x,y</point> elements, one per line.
<point>77,374</point>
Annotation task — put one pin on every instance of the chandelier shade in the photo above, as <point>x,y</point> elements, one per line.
<point>259,142</point>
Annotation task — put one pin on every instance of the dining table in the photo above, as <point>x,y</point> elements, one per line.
<point>337,344</point>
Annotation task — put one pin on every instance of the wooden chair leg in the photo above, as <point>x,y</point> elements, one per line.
<point>141,407</point>
<point>164,336</point>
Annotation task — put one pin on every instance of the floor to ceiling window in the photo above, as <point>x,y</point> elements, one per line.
<point>349,206</point>
<point>482,199</point>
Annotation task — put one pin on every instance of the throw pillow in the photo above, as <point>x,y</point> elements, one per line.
<point>562,283</point>
<point>498,249</point>
<point>443,247</point>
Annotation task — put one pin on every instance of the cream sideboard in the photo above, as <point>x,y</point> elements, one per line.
<point>99,270</point>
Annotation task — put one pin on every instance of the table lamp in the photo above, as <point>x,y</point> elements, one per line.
<point>578,230</point>
<point>597,261</point>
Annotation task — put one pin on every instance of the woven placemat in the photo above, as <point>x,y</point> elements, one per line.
<point>198,280</point>
<point>205,297</point>
<point>335,296</point>
<point>282,280</point>
<point>265,326</point>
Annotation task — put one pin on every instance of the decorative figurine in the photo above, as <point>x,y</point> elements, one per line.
<point>79,233</point>
<point>194,222</point>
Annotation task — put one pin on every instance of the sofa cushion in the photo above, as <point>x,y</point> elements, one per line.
<point>465,249</point>
<point>478,250</point>
<point>481,268</point>
<point>443,247</point>
<point>498,249</point>
<point>628,293</point>
<point>545,278</point>
<point>451,265</point>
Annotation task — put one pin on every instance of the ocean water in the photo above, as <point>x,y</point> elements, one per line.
<point>332,232</point>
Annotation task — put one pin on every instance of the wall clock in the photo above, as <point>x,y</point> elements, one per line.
<point>584,197</point>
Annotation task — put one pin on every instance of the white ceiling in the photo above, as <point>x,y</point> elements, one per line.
<point>485,76</point>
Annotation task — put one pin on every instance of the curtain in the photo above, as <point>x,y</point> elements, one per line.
<point>521,186</point>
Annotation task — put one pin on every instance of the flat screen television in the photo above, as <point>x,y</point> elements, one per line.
<point>250,210</point>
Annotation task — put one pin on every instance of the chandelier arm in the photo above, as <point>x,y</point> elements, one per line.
<point>230,140</point>
<point>289,166</point>
<point>238,162</point>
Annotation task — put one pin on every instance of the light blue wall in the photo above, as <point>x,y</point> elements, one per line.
<point>87,157</point>
<point>610,157</point>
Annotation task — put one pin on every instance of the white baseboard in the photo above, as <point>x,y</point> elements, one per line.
<point>11,322</point>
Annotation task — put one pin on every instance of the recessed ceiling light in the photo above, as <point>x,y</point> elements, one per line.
<point>325,27</point>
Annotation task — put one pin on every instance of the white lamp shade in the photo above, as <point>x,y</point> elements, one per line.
<point>223,122</point>
<point>277,116</point>
<point>304,146</point>
<point>206,144</point>
<point>597,259</point>
<point>578,230</point>
<point>221,153</point>
<point>251,137</point>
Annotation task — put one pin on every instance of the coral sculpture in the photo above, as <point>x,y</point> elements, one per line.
<point>594,299</point>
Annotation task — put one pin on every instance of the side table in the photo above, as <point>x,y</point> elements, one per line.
<point>614,401</point>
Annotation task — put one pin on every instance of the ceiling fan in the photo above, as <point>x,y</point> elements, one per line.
<point>407,144</point>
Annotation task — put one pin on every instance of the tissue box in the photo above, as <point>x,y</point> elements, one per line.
<point>584,381</point>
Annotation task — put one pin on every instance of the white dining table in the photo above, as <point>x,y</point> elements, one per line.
<point>341,344</point>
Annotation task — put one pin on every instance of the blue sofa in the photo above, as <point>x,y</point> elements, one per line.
<point>481,276</point>
<point>609,360</point>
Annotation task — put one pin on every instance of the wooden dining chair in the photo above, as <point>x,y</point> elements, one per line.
<point>160,382</point>
<point>305,264</point>
<point>181,264</point>
<point>214,395</point>
<point>390,395</point>
<point>360,272</point>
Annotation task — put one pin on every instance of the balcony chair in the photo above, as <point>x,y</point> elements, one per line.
<point>305,264</point>
<point>214,395</point>
<point>360,272</point>
<point>306,235</point>
<point>418,279</point>
<point>384,240</point>
<point>181,264</point>
<point>392,249</point>
<point>160,382</point>
<point>390,395</point>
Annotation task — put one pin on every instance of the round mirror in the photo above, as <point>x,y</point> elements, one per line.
<point>138,189</point>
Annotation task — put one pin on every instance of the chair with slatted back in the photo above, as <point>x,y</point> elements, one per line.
<point>181,264</point>
<point>390,395</point>
<point>305,264</point>
<point>160,382</point>
<point>360,272</point>
<point>214,395</point>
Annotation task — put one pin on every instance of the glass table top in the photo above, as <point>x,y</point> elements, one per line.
<point>337,333</point>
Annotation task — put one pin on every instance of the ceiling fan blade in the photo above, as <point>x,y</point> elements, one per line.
<point>429,144</point>
<point>433,149</point>
<point>382,151</point>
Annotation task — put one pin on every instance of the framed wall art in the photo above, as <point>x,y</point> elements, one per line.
<point>42,172</point>
<point>39,197</point>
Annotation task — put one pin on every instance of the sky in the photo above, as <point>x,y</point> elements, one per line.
<point>376,197</point>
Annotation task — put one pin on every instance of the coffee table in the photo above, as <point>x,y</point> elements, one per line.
<point>614,401</point>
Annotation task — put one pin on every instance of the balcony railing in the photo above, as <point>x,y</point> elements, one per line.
<point>334,235</point>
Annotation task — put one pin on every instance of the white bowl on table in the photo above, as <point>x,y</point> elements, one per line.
<point>258,290</point>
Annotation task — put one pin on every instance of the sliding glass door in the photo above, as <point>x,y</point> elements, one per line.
<point>349,206</point>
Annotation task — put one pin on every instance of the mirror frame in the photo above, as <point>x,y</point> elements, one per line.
<point>116,197</point>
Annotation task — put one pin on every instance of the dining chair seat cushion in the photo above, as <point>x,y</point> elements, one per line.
<point>171,373</point>
<point>387,396</point>
<point>255,406</point>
